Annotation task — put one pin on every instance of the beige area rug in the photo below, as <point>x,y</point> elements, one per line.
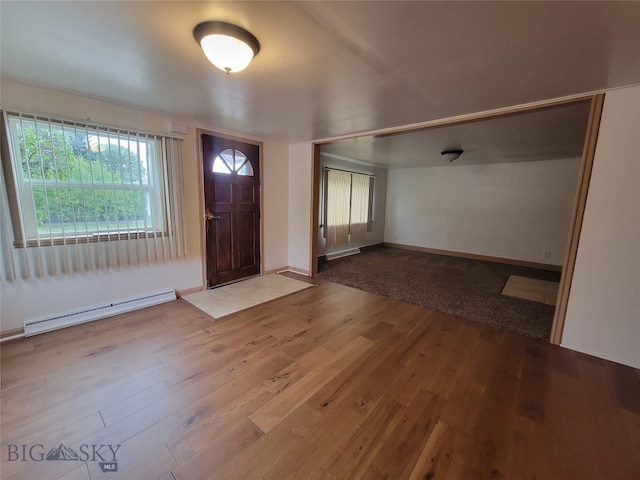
<point>222,301</point>
<point>542,291</point>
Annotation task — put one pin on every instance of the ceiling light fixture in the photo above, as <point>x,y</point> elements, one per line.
<point>451,155</point>
<point>227,46</point>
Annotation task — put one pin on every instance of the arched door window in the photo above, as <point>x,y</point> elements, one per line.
<point>233,161</point>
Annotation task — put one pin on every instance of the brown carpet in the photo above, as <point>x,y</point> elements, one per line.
<point>469,289</point>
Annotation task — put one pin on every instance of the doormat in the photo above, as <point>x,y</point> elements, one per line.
<point>223,301</point>
<point>542,291</point>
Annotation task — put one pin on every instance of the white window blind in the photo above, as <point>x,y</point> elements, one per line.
<point>82,197</point>
<point>359,219</point>
<point>347,206</point>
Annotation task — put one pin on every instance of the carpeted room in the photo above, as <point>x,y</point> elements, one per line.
<point>481,235</point>
<point>465,288</point>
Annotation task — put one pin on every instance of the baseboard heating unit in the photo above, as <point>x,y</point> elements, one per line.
<point>343,253</point>
<point>96,312</point>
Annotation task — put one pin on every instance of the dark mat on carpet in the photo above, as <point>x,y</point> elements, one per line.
<point>470,289</point>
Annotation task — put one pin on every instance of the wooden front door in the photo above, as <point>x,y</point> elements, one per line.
<point>232,209</point>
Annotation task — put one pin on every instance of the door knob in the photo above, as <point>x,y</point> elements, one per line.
<point>211,216</point>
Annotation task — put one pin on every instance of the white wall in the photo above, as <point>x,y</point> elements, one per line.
<point>37,297</point>
<point>376,235</point>
<point>275,206</point>
<point>603,314</point>
<point>300,182</point>
<point>42,297</point>
<point>508,210</point>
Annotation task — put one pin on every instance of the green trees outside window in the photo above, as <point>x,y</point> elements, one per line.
<point>84,181</point>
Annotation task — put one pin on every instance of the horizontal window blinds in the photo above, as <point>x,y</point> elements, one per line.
<point>82,197</point>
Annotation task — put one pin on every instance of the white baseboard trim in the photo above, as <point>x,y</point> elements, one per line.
<point>271,271</point>
<point>12,334</point>
<point>188,291</point>
<point>291,269</point>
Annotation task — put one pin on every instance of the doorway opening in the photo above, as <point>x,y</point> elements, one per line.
<point>583,146</point>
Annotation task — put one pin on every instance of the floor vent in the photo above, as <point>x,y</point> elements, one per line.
<point>96,312</point>
<point>343,253</point>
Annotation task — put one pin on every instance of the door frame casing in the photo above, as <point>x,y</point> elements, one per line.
<point>201,205</point>
<point>591,135</point>
<point>573,238</point>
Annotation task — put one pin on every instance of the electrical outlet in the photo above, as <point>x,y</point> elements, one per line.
<point>547,254</point>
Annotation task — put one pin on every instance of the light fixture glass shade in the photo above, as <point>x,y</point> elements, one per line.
<point>227,53</point>
<point>227,46</point>
<point>451,155</point>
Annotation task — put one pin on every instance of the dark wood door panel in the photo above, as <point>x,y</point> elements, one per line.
<point>246,195</point>
<point>221,190</point>
<point>232,202</point>
<point>223,240</point>
<point>247,238</point>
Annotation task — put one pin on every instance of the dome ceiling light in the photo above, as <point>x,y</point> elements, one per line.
<point>451,155</point>
<point>227,46</point>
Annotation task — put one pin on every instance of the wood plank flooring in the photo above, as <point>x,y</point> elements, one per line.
<point>328,383</point>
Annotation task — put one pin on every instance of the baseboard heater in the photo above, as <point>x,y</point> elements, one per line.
<point>343,253</point>
<point>96,312</point>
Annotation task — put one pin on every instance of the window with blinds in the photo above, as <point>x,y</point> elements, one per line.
<point>72,183</point>
<point>77,182</point>
<point>348,205</point>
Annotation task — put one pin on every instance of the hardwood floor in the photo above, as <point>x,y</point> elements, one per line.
<point>328,383</point>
